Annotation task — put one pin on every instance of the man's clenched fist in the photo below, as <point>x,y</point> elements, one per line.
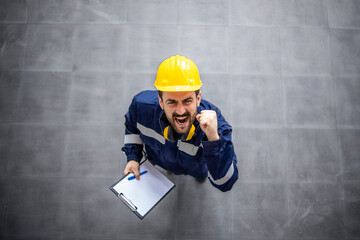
<point>208,123</point>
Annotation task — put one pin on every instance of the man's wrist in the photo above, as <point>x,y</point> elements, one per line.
<point>132,158</point>
<point>213,137</point>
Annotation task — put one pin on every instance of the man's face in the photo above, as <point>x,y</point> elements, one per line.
<point>180,109</point>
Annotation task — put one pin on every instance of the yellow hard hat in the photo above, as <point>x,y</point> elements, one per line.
<point>177,74</point>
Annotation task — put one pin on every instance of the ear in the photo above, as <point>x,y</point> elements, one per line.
<point>161,103</point>
<point>198,98</point>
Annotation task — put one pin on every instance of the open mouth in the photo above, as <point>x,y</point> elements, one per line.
<point>181,120</point>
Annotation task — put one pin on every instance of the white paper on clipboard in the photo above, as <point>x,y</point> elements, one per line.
<point>142,195</point>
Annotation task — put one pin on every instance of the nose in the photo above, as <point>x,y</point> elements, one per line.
<point>180,109</point>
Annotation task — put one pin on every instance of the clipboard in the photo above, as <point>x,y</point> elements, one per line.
<point>141,196</point>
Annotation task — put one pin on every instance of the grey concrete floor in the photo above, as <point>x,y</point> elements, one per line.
<point>285,73</point>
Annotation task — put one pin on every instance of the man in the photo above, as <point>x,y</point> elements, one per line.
<point>180,132</point>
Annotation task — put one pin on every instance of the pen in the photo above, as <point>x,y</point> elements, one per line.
<point>133,177</point>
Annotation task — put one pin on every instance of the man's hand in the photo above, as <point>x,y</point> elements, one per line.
<point>209,124</point>
<point>132,167</point>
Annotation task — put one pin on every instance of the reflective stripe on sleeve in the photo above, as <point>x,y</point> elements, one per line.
<point>225,178</point>
<point>132,139</point>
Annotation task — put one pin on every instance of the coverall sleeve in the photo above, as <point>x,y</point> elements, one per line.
<point>221,158</point>
<point>133,144</point>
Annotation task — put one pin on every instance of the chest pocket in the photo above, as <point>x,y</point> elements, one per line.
<point>169,152</point>
<point>180,157</point>
<point>188,156</point>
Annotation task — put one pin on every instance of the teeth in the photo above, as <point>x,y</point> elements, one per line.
<point>181,118</point>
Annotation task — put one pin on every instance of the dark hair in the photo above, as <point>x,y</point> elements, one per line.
<point>161,93</point>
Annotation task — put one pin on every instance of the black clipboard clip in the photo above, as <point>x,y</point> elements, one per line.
<point>127,202</point>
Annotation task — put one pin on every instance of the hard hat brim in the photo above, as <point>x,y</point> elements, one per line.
<point>177,88</point>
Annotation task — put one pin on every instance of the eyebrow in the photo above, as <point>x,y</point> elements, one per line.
<point>184,100</point>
